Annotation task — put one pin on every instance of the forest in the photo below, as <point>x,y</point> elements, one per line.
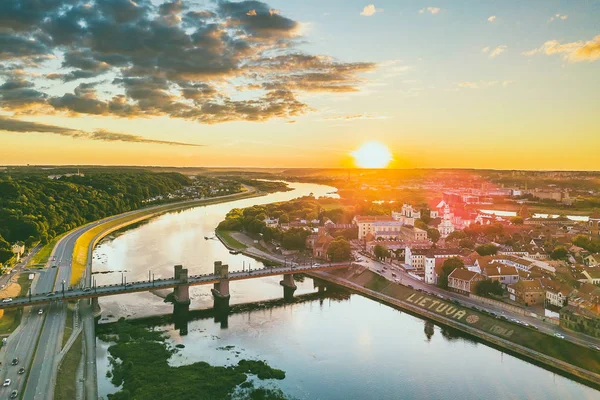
<point>35,208</point>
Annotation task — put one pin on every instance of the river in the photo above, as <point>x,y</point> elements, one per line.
<point>346,347</point>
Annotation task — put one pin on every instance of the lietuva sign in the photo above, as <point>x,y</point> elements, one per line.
<point>438,307</point>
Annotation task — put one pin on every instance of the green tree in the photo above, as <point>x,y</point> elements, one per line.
<point>517,220</point>
<point>487,249</point>
<point>448,266</point>
<point>425,215</point>
<point>559,253</point>
<point>421,225</point>
<point>381,252</point>
<point>456,235</point>
<point>489,287</point>
<point>339,250</point>
<point>433,234</point>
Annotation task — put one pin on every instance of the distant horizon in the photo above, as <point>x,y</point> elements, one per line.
<point>292,168</point>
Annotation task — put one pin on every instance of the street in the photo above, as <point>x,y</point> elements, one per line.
<point>404,278</point>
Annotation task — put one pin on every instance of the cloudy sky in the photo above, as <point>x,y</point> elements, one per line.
<point>454,83</point>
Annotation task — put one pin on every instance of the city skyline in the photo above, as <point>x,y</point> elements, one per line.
<point>442,84</point>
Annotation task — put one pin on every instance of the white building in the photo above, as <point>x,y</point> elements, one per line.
<point>446,227</point>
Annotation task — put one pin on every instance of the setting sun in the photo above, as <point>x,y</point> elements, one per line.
<point>372,155</point>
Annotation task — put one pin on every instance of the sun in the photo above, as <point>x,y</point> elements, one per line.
<point>372,155</point>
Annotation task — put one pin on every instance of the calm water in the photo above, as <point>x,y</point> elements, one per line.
<point>353,348</point>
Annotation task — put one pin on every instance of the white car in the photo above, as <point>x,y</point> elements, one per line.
<point>40,312</point>
<point>317,265</point>
<point>7,300</point>
<point>558,335</point>
<point>6,382</point>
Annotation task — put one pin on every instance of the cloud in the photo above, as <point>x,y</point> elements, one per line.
<point>370,10</point>
<point>572,51</point>
<point>482,84</point>
<point>492,18</point>
<point>431,10</point>
<point>496,51</point>
<point>16,125</point>
<point>355,117</point>
<point>557,17</point>
<point>177,59</point>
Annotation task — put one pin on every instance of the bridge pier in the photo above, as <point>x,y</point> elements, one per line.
<point>220,290</point>
<point>289,286</point>
<point>320,285</point>
<point>182,291</point>
<point>96,310</point>
<point>181,317</point>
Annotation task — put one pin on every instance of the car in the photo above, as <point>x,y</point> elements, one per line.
<point>15,361</point>
<point>595,348</point>
<point>87,289</point>
<point>14,394</point>
<point>40,312</point>
<point>7,300</point>
<point>54,266</point>
<point>559,335</point>
<point>6,382</point>
<point>50,294</point>
<point>533,327</point>
<point>317,265</point>
<point>21,371</point>
<point>411,286</point>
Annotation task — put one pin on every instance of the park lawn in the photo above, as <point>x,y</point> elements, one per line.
<point>230,241</point>
<point>68,327</point>
<point>66,377</point>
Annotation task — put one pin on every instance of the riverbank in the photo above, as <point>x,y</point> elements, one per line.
<point>90,238</point>
<point>556,354</point>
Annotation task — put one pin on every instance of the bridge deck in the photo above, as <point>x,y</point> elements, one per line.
<point>144,286</point>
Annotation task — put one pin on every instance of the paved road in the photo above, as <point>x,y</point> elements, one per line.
<point>405,279</point>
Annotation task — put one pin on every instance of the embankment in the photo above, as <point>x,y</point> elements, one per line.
<point>556,354</point>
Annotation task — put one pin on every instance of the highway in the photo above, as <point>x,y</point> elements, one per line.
<point>404,278</point>
<point>57,298</point>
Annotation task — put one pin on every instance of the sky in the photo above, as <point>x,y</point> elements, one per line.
<point>443,84</point>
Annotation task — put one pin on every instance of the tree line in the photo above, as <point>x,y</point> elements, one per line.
<point>34,208</point>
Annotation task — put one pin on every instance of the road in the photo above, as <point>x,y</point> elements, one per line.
<point>404,278</point>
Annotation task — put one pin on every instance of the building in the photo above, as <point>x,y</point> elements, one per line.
<point>18,249</point>
<point>463,281</point>
<point>380,226</point>
<point>594,223</point>
<point>321,245</point>
<point>430,261</point>
<point>591,275</point>
<point>527,292</point>
<point>409,232</point>
<point>580,320</point>
<point>523,263</point>
<point>446,227</point>
<point>504,274</point>
<point>556,294</point>
<point>272,222</point>
<point>592,260</point>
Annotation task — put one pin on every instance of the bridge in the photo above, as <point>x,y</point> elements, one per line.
<point>181,283</point>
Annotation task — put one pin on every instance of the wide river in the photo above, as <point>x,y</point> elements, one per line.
<point>347,347</point>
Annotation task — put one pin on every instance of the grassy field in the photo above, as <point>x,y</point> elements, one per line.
<point>10,319</point>
<point>66,377</point>
<point>41,257</point>
<point>68,327</point>
<point>230,241</point>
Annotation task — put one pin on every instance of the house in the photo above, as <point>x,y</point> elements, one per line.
<point>321,245</point>
<point>463,281</point>
<point>272,222</point>
<point>592,275</point>
<point>18,249</point>
<point>416,257</point>
<point>592,260</point>
<point>504,274</point>
<point>524,263</point>
<point>527,292</point>
<point>557,294</point>
<point>581,320</point>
